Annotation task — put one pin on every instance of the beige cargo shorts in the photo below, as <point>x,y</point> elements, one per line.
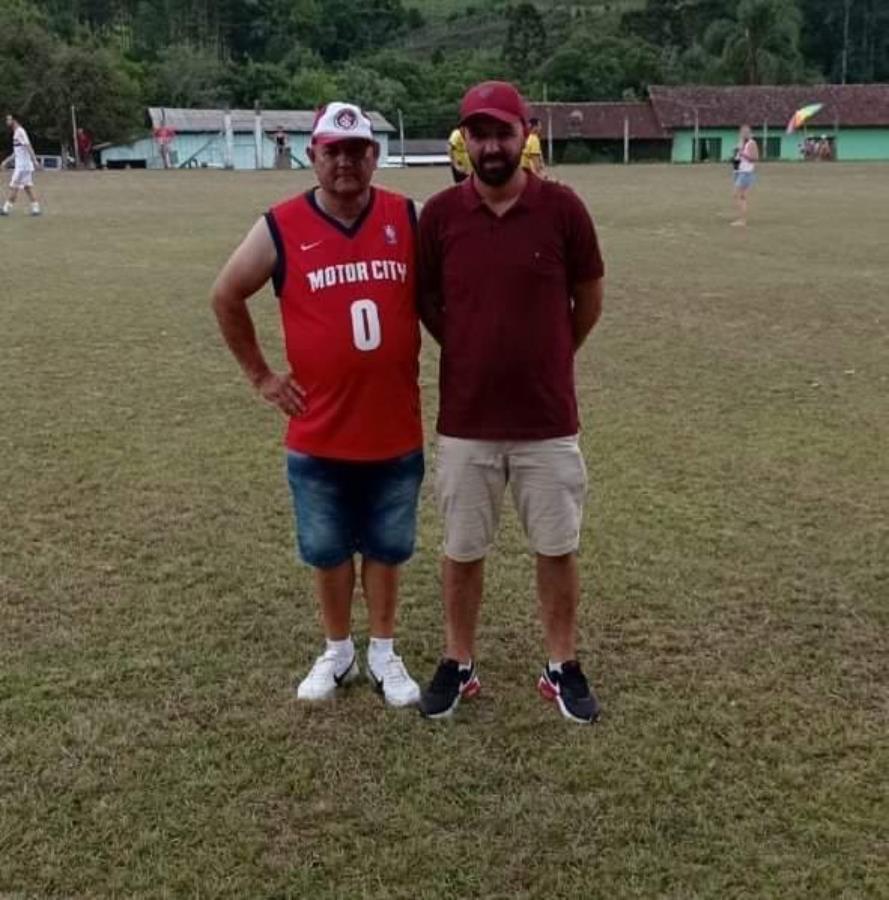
<point>547,479</point>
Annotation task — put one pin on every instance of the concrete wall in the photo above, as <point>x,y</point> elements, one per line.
<point>863,144</point>
<point>683,143</point>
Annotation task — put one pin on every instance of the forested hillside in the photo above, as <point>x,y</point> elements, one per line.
<point>111,58</point>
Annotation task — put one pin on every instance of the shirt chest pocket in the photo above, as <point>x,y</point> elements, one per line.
<point>540,264</point>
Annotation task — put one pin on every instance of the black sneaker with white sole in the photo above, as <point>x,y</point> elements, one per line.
<point>448,685</point>
<point>570,690</point>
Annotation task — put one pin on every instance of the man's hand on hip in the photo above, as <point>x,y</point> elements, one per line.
<point>284,392</point>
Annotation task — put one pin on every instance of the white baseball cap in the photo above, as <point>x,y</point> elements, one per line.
<point>341,122</point>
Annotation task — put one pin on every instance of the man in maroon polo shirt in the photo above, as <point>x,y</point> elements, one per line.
<point>510,286</point>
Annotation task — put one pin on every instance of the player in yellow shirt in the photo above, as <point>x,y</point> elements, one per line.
<point>461,167</point>
<point>532,154</point>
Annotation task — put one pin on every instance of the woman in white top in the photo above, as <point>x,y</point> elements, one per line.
<point>25,164</point>
<point>745,173</point>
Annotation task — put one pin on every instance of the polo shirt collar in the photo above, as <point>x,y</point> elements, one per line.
<point>527,199</point>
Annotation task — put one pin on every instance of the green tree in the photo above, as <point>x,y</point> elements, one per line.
<point>697,65</point>
<point>311,88</point>
<point>347,28</point>
<point>189,77</point>
<point>413,73</point>
<point>68,17</point>
<point>525,45</point>
<point>760,45</point>
<point>414,18</point>
<point>271,28</point>
<point>659,22</point>
<point>96,82</point>
<point>601,68</point>
<point>267,82</point>
<point>370,90</point>
<point>26,53</point>
<point>436,113</point>
<point>676,24</point>
<point>850,36</point>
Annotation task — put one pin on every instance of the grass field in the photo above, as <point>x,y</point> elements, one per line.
<point>735,561</point>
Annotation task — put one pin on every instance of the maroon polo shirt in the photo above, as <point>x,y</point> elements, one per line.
<point>507,356</point>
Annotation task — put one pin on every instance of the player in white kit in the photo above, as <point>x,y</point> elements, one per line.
<point>23,173</point>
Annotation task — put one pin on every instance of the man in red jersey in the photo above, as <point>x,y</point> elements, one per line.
<point>510,286</point>
<point>341,259</point>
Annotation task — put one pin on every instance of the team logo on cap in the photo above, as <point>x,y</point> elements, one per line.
<point>345,119</point>
<point>390,235</point>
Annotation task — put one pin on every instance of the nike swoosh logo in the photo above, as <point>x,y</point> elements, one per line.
<point>339,679</point>
<point>309,246</point>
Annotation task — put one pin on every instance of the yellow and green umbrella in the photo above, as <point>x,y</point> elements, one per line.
<point>803,115</point>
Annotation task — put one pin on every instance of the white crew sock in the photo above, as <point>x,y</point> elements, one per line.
<point>554,666</point>
<point>378,651</point>
<point>343,650</point>
<point>7,207</point>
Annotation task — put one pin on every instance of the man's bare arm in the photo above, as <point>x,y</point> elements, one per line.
<point>246,271</point>
<point>587,308</point>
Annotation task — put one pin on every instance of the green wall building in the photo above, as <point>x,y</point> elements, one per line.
<point>704,121</point>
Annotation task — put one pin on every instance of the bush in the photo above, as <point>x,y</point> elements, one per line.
<point>576,153</point>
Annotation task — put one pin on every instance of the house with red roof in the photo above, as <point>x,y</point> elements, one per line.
<point>698,123</point>
<point>601,132</point>
<point>703,121</point>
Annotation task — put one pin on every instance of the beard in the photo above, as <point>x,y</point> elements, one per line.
<point>495,169</point>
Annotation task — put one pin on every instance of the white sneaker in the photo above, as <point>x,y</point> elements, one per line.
<point>394,683</point>
<point>35,210</point>
<point>322,681</point>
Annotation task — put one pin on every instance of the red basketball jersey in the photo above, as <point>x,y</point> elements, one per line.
<point>347,298</point>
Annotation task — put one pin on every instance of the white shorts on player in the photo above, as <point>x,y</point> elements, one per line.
<point>22,178</point>
<point>24,163</point>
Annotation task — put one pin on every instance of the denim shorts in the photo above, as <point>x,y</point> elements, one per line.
<point>343,508</point>
<point>744,180</point>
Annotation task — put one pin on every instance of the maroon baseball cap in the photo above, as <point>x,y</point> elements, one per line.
<point>498,99</point>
